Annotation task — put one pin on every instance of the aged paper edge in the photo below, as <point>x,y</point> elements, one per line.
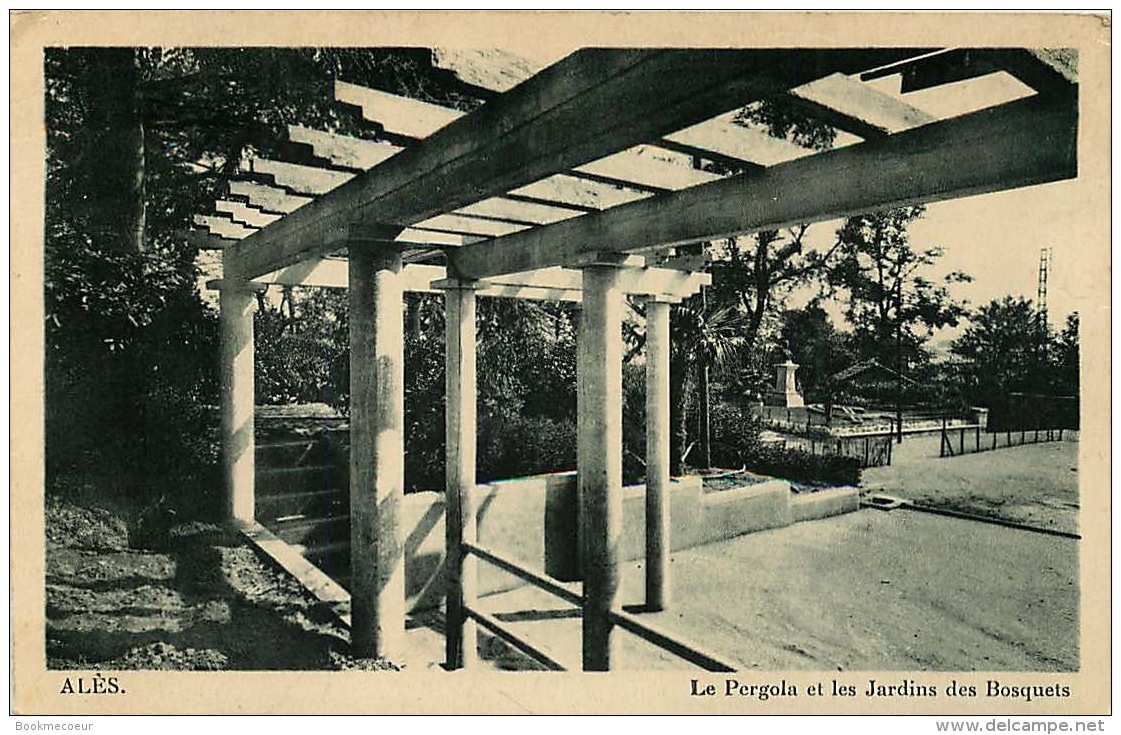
<point>36,690</point>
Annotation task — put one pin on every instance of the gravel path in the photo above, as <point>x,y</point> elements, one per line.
<point>1036,485</point>
<point>870,590</point>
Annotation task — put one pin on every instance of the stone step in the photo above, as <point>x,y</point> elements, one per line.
<point>291,480</point>
<point>309,531</point>
<point>292,453</point>
<point>316,503</point>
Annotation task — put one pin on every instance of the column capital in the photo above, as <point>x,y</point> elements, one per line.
<point>459,284</point>
<point>235,285</point>
<point>609,260</point>
<point>373,234</point>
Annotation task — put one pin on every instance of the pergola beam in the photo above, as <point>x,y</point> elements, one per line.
<point>271,199</point>
<point>590,105</point>
<point>856,107</point>
<point>1017,144</point>
<point>551,284</point>
<point>299,178</point>
<point>342,150</point>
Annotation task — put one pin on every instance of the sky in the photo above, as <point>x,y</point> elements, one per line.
<point>996,238</point>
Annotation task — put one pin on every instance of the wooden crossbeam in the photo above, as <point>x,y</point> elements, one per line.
<point>342,150</point>
<point>299,178</point>
<point>223,227</point>
<point>551,284</point>
<point>242,214</point>
<point>644,167</point>
<point>589,105</point>
<point>581,194</point>
<point>855,107</point>
<point>267,198</point>
<point>648,166</point>
<point>433,239</point>
<point>398,115</point>
<point>1017,144</point>
<point>1051,72</point>
<point>511,210</point>
<point>469,226</point>
<point>727,139</point>
<point>204,240</point>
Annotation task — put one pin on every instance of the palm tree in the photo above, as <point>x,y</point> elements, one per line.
<point>701,338</point>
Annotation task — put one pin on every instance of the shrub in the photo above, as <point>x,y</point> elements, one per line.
<point>516,446</point>
<point>736,443</point>
<point>802,466</point>
<point>735,433</point>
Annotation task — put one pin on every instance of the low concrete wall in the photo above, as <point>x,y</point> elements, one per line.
<point>534,520</point>
<point>824,503</point>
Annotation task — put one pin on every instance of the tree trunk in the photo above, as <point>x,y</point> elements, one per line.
<point>112,177</point>
<point>705,431</point>
<point>679,433</point>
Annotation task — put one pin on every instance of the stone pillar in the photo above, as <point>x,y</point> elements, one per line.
<point>235,306</point>
<point>460,387</point>
<point>600,457</point>
<point>657,455</point>
<point>377,403</point>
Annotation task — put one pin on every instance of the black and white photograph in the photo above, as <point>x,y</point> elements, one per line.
<point>460,348</point>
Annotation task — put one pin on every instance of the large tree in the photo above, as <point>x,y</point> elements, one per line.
<point>1008,347</point>
<point>891,301</point>
<point>138,141</point>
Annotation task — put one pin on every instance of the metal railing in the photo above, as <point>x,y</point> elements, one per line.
<point>969,439</point>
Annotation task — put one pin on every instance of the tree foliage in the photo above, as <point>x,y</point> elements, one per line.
<point>138,141</point>
<point>886,288</point>
<point>1008,347</point>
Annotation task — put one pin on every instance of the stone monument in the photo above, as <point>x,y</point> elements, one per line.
<point>785,392</point>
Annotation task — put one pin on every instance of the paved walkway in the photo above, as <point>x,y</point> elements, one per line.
<point>871,590</point>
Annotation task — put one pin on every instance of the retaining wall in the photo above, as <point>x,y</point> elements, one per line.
<point>512,514</point>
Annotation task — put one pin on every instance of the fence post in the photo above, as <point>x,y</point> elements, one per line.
<point>961,441</point>
<point>977,437</point>
<point>994,440</point>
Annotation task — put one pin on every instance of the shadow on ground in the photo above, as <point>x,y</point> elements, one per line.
<point>197,599</point>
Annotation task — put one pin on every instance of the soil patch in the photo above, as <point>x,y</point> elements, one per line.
<point>199,599</point>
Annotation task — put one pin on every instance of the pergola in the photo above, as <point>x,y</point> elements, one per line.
<point>576,184</point>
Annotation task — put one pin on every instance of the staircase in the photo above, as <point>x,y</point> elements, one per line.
<point>301,495</point>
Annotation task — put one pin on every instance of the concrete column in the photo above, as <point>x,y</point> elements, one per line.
<point>657,455</point>
<point>235,306</point>
<point>460,389</point>
<point>600,457</point>
<point>377,414</point>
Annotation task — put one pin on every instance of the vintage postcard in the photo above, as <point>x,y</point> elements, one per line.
<point>560,362</point>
